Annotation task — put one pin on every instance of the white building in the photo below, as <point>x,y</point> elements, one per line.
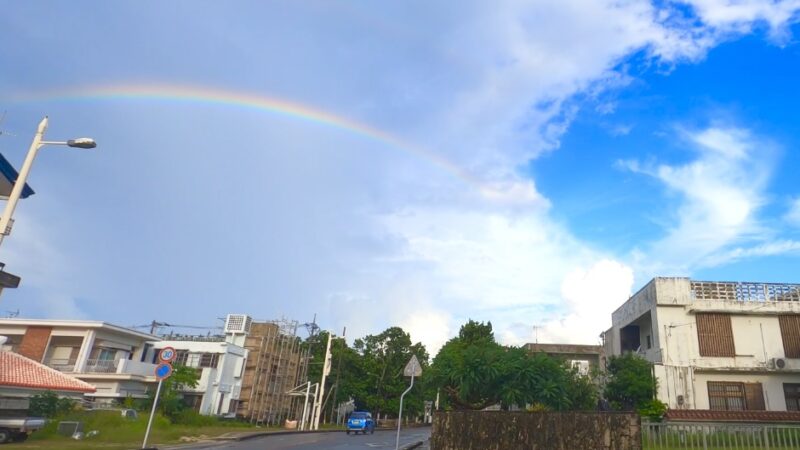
<point>221,366</point>
<point>108,357</point>
<point>715,345</point>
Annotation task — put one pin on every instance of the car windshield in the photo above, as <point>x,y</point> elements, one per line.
<point>359,416</point>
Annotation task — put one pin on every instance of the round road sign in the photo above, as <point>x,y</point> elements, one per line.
<point>167,354</point>
<point>163,370</point>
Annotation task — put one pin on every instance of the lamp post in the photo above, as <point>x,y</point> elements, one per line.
<point>19,184</point>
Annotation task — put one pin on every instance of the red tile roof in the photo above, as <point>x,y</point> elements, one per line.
<point>732,416</point>
<point>19,371</point>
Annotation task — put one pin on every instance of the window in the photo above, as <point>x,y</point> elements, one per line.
<point>209,360</point>
<point>649,342</point>
<point>181,356</point>
<point>715,335</point>
<point>193,360</point>
<point>735,396</point>
<point>726,396</point>
<point>790,333</point>
<point>791,391</point>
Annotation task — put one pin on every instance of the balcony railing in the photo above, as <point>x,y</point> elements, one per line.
<point>101,366</point>
<point>62,365</point>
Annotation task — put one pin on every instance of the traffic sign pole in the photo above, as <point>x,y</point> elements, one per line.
<point>412,369</point>
<point>152,413</point>
<point>163,371</point>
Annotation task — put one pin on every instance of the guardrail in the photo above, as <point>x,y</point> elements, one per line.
<point>717,436</point>
<point>101,366</point>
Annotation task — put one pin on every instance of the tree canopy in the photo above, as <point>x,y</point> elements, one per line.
<point>475,372</point>
<point>631,383</point>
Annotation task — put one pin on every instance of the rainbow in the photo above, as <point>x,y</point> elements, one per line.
<point>247,100</point>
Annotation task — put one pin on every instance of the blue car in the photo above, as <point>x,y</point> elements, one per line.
<point>360,421</point>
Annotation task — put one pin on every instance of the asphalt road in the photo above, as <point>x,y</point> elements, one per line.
<point>383,439</point>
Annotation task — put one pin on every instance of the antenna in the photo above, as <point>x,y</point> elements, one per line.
<point>2,118</point>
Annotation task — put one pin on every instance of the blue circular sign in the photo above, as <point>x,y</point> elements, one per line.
<point>163,371</point>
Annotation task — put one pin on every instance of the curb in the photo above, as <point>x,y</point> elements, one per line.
<point>255,435</point>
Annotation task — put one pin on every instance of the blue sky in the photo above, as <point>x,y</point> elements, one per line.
<point>558,154</point>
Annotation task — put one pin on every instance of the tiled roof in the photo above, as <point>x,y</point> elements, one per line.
<point>709,415</point>
<point>19,371</point>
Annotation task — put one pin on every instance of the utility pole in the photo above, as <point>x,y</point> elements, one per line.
<point>338,374</point>
<point>326,369</point>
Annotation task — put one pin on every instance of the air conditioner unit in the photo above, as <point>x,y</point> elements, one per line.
<point>238,323</point>
<point>779,363</point>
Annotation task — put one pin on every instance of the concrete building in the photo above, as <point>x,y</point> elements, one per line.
<point>108,357</point>
<point>715,345</point>
<point>583,357</point>
<point>221,368</point>
<point>276,363</point>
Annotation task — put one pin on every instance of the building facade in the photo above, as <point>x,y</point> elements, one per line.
<point>715,345</point>
<point>220,365</point>
<point>108,357</point>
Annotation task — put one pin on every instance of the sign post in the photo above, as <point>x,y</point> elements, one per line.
<point>413,369</point>
<point>163,371</point>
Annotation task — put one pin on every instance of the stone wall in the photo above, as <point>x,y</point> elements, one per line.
<point>502,430</point>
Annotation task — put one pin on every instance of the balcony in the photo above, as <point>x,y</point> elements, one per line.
<point>101,366</point>
<point>62,365</point>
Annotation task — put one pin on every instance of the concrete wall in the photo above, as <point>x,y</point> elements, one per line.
<point>772,385</point>
<point>502,430</point>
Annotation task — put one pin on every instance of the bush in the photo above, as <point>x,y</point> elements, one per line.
<point>631,383</point>
<point>653,410</point>
<point>49,405</point>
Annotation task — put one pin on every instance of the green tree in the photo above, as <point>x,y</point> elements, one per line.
<point>630,383</point>
<point>474,372</point>
<point>170,401</point>
<point>49,405</point>
<point>470,369</point>
<point>384,356</point>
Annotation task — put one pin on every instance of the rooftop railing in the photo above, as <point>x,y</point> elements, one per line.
<point>745,292</point>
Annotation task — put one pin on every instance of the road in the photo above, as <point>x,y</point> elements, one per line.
<point>383,439</point>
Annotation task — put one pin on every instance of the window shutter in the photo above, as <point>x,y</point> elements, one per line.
<point>790,333</point>
<point>715,335</point>
<point>754,396</point>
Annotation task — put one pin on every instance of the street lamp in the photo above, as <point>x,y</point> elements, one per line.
<point>19,183</point>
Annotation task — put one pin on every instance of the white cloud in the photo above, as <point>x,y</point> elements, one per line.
<point>741,15</point>
<point>38,261</point>
<point>793,215</point>
<point>720,193</point>
<point>591,295</point>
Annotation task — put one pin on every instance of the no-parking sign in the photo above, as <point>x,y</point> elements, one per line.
<point>163,371</point>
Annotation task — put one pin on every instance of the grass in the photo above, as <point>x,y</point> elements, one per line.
<point>116,432</point>
<point>719,441</point>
